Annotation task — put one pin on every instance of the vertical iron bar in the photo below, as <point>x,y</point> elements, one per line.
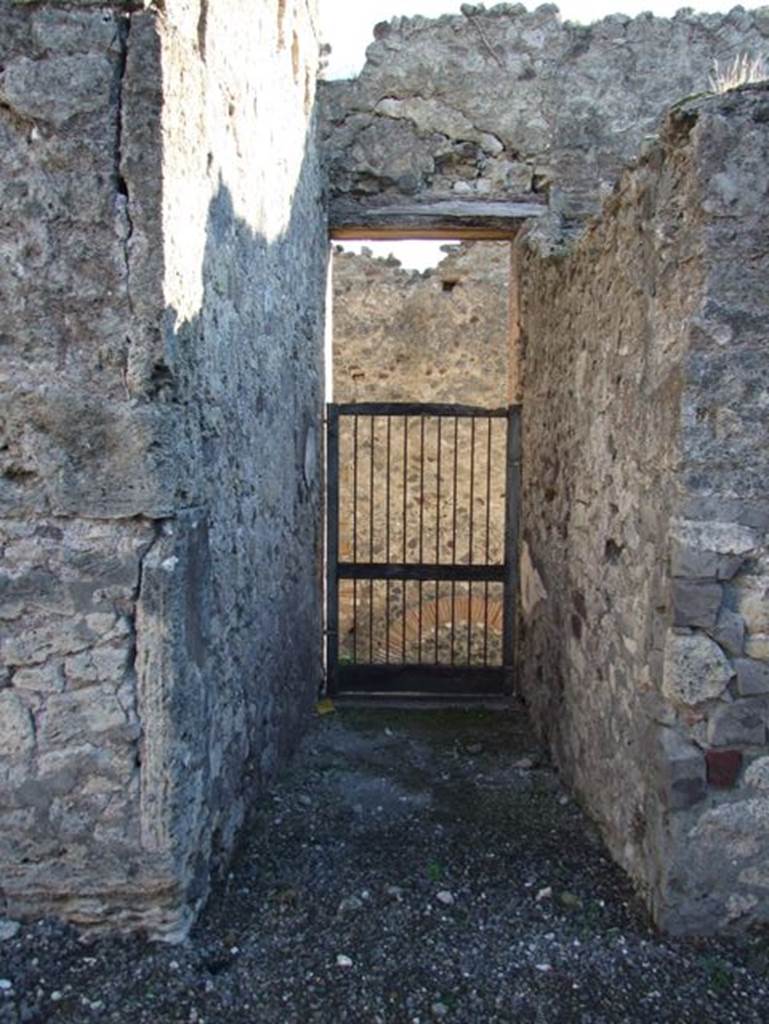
<point>421,527</point>
<point>371,544</point>
<point>470,542</point>
<point>487,553</point>
<point>512,492</point>
<point>387,544</point>
<point>405,519</point>
<point>437,529</point>
<point>332,549</point>
<point>454,535</point>
<point>355,537</point>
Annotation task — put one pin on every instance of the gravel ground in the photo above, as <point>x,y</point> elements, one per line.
<point>412,866</point>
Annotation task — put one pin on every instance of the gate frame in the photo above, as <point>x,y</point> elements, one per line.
<point>413,679</point>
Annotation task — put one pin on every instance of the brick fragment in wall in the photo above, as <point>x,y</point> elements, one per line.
<point>752,677</point>
<point>723,767</point>
<point>695,603</point>
<point>741,724</point>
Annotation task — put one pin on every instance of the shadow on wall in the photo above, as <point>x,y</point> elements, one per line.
<point>229,622</point>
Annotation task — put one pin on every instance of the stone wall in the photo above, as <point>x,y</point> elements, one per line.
<point>438,336</point>
<point>503,102</point>
<point>162,263</point>
<point>645,512</point>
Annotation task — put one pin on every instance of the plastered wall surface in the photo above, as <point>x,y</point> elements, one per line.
<point>645,515</point>
<point>503,102</point>
<point>162,261</point>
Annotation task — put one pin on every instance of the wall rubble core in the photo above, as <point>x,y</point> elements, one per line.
<point>159,478</point>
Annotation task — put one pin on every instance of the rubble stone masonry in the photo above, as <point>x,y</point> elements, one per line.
<point>499,102</point>
<point>162,267</point>
<point>645,514</point>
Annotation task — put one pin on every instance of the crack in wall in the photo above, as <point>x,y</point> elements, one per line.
<point>123,197</point>
<point>484,39</point>
<point>425,131</point>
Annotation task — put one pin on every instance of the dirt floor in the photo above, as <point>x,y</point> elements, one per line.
<point>412,866</point>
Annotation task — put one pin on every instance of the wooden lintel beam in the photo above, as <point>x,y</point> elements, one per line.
<point>417,231</point>
<point>431,218</point>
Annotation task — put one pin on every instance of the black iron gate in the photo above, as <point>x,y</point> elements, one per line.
<point>422,549</point>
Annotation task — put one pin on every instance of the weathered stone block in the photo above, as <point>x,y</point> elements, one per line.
<point>88,456</point>
<point>757,646</point>
<point>682,771</point>
<point>752,677</point>
<point>17,731</point>
<point>58,88</point>
<point>710,549</point>
<point>73,719</point>
<point>695,669</point>
<point>742,724</point>
<point>68,31</point>
<point>731,833</point>
<point>723,767</point>
<point>691,563</point>
<point>42,678</point>
<point>757,773</point>
<point>752,596</point>
<point>695,603</point>
<point>96,665</point>
<point>729,632</point>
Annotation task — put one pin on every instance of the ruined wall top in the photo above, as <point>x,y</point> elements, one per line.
<point>508,102</point>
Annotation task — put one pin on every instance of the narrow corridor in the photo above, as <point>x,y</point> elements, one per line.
<point>411,866</point>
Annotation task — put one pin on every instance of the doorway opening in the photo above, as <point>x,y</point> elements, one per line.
<point>423,456</point>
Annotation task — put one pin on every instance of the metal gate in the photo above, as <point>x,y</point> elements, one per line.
<point>421,549</point>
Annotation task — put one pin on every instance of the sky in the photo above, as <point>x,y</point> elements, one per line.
<point>348,26</point>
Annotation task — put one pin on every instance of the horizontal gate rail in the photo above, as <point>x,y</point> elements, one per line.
<point>427,680</point>
<point>413,571</point>
<point>418,409</point>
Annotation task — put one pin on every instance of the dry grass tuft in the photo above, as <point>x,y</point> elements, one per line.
<point>742,70</point>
